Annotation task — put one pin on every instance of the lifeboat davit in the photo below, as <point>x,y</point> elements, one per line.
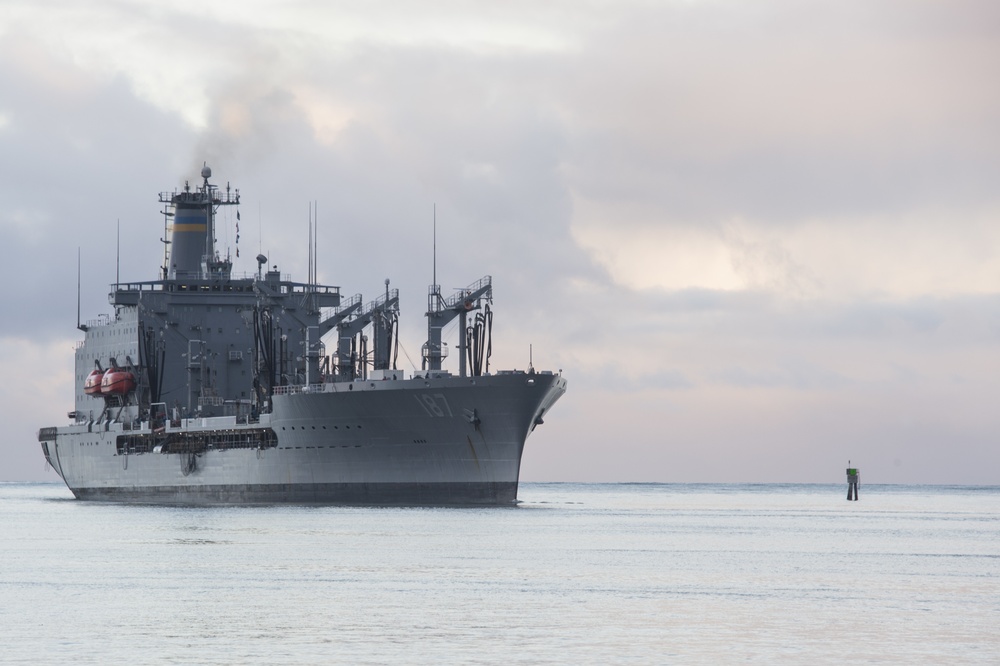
<point>117,382</point>
<point>92,385</point>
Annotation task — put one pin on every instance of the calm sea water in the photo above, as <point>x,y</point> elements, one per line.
<point>578,573</point>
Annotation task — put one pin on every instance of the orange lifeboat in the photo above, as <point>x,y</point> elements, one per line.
<point>92,385</point>
<point>117,382</point>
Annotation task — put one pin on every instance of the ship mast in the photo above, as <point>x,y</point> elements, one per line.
<point>209,255</point>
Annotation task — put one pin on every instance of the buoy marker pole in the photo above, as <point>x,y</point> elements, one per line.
<point>853,481</point>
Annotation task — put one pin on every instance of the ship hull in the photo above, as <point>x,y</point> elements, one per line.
<point>421,441</point>
<point>361,494</point>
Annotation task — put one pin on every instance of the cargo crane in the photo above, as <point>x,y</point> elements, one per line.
<point>441,311</point>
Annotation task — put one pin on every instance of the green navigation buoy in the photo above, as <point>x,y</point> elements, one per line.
<point>853,481</point>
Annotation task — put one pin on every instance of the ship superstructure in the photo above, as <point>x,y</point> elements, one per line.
<point>204,387</point>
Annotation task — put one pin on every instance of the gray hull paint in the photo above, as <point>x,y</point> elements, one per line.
<point>362,494</point>
<point>443,441</point>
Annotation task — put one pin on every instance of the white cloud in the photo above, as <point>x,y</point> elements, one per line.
<point>177,57</point>
<point>40,397</point>
<point>740,228</point>
<point>925,252</point>
<point>644,257</point>
<point>327,116</point>
<point>903,256</point>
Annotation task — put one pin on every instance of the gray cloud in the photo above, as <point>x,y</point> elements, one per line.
<point>879,116</point>
<point>779,111</point>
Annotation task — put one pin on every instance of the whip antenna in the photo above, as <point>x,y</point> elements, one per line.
<point>82,328</point>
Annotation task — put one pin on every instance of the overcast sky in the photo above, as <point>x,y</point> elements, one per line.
<point>760,238</point>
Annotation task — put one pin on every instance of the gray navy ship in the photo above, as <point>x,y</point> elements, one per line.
<point>204,387</point>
